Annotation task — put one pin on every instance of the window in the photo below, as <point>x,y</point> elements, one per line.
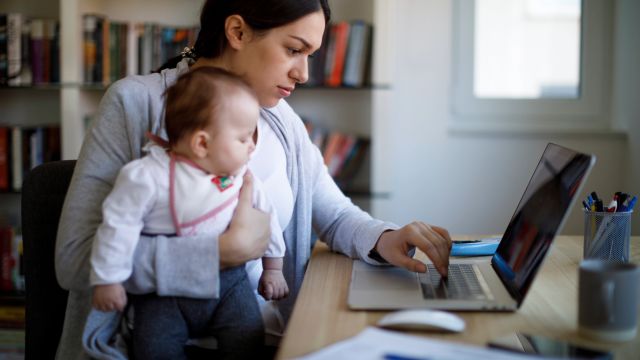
<point>531,64</point>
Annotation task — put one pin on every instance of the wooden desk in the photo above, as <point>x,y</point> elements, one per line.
<point>321,316</point>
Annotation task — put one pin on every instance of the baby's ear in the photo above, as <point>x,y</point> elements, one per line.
<point>200,143</point>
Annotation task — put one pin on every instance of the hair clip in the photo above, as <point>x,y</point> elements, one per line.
<point>188,52</point>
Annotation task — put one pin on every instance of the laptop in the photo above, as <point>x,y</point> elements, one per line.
<point>498,284</point>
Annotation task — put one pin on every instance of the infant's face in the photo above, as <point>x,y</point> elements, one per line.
<point>232,134</point>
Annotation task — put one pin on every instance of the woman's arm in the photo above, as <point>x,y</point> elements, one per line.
<point>346,228</point>
<point>106,148</point>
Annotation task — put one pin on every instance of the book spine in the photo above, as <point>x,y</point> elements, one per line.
<point>132,48</point>
<point>6,259</point>
<point>26,77</point>
<point>16,158</point>
<point>4,57</point>
<point>37,50</point>
<point>98,38</point>
<point>113,52</point>
<point>48,50</point>
<point>89,45</point>
<point>122,50</point>
<point>342,35</point>
<point>14,48</point>
<point>55,54</point>
<point>4,158</point>
<point>107,57</point>
<point>36,151</point>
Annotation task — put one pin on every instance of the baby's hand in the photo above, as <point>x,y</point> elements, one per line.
<point>109,297</point>
<point>272,285</point>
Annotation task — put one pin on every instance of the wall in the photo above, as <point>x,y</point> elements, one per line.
<point>626,87</point>
<point>466,181</point>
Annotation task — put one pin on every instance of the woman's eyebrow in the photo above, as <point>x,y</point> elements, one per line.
<point>303,41</point>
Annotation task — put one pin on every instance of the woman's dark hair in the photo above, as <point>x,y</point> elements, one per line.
<point>260,15</point>
<point>195,96</point>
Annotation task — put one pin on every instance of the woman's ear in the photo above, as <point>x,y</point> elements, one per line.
<point>200,143</point>
<point>237,31</point>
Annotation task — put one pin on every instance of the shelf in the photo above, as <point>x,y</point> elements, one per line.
<point>46,87</point>
<point>12,298</point>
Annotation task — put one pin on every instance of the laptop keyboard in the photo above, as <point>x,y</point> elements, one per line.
<point>462,283</point>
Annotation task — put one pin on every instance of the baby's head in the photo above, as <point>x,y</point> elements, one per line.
<point>210,117</point>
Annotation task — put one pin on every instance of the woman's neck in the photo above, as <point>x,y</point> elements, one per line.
<point>219,62</point>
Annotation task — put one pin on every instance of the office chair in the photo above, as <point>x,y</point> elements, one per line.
<point>43,193</point>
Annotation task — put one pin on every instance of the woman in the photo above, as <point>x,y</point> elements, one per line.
<point>267,43</point>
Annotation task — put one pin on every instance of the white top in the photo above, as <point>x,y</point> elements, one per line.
<point>269,163</point>
<point>147,199</point>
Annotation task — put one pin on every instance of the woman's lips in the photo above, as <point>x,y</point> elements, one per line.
<point>285,91</point>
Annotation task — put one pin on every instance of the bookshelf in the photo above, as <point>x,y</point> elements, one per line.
<point>23,107</point>
<point>358,111</point>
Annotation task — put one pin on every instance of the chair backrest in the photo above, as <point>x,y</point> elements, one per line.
<point>43,193</point>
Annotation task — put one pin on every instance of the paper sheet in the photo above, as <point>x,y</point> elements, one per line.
<point>373,343</point>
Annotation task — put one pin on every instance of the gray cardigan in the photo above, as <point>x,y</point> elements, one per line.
<point>169,266</point>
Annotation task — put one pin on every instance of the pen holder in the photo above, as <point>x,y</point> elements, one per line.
<point>607,235</point>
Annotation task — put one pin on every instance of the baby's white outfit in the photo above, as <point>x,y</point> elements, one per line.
<point>161,193</point>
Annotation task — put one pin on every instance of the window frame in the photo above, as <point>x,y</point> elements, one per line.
<point>590,111</point>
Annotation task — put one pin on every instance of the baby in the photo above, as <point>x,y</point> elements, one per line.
<point>186,186</point>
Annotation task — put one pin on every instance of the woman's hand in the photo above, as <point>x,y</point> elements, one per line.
<point>248,234</point>
<point>434,241</point>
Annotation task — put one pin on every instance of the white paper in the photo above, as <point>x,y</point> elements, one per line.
<point>374,343</point>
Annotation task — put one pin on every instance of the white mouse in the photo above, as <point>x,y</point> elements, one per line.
<point>423,319</point>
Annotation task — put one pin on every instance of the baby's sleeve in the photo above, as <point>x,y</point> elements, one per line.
<point>123,210</point>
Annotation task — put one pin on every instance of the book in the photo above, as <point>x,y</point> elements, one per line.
<point>37,50</point>
<point>339,37</point>
<point>14,48</point>
<point>353,163</point>
<point>89,23</point>
<point>48,39</point>
<point>36,147</point>
<point>6,259</point>
<point>334,141</point>
<point>4,57</point>
<point>338,160</point>
<point>317,62</point>
<point>4,158</point>
<point>25,77</point>
<point>16,158</point>
<point>358,55</point>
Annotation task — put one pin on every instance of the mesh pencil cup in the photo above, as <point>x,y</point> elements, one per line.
<point>607,235</point>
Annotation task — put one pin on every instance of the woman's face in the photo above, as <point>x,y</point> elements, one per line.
<point>273,63</point>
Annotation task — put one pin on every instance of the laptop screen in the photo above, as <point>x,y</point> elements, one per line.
<point>540,213</point>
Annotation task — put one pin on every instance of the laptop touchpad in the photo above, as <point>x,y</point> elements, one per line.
<point>386,278</point>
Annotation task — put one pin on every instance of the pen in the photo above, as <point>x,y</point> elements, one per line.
<point>586,206</point>
<point>599,206</point>
<point>632,203</point>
